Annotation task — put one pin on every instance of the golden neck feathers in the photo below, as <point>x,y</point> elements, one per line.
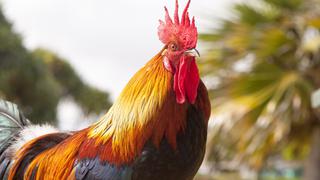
<point>146,109</point>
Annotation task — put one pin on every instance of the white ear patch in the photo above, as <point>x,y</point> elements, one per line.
<point>29,133</point>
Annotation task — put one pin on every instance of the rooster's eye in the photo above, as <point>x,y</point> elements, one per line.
<point>173,47</point>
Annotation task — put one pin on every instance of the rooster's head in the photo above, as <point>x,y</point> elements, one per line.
<point>180,39</point>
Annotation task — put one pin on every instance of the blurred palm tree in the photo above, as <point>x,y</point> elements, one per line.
<point>262,66</point>
<point>38,80</point>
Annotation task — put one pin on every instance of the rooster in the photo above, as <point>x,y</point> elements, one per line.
<point>156,128</point>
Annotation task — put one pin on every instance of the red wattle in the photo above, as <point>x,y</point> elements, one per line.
<point>192,82</point>
<point>186,80</point>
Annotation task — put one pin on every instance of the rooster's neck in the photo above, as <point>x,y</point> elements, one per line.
<point>146,110</point>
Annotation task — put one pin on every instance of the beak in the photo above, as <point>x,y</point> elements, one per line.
<point>192,52</point>
<point>164,52</point>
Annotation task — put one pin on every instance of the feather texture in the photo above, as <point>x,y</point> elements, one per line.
<point>140,113</point>
<point>29,133</point>
<point>11,122</point>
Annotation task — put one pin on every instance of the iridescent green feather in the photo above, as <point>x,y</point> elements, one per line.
<point>11,121</point>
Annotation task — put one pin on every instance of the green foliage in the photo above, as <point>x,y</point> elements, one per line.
<point>38,80</point>
<point>89,98</point>
<point>265,64</point>
<point>249,15</point>
<point>286,4</point>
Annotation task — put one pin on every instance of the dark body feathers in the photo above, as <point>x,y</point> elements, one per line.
<point>157,163</point>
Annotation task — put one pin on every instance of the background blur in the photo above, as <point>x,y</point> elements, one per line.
<point>65,61</point>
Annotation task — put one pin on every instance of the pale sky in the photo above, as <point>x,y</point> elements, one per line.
<point>105,41</point>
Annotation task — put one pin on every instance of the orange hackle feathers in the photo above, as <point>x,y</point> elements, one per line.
<point>54,163</point>
<point>140,113</point>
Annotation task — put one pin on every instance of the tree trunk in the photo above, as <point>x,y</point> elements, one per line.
<point>312,164</point>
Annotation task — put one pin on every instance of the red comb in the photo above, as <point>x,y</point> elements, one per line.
<point>182,31</point>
